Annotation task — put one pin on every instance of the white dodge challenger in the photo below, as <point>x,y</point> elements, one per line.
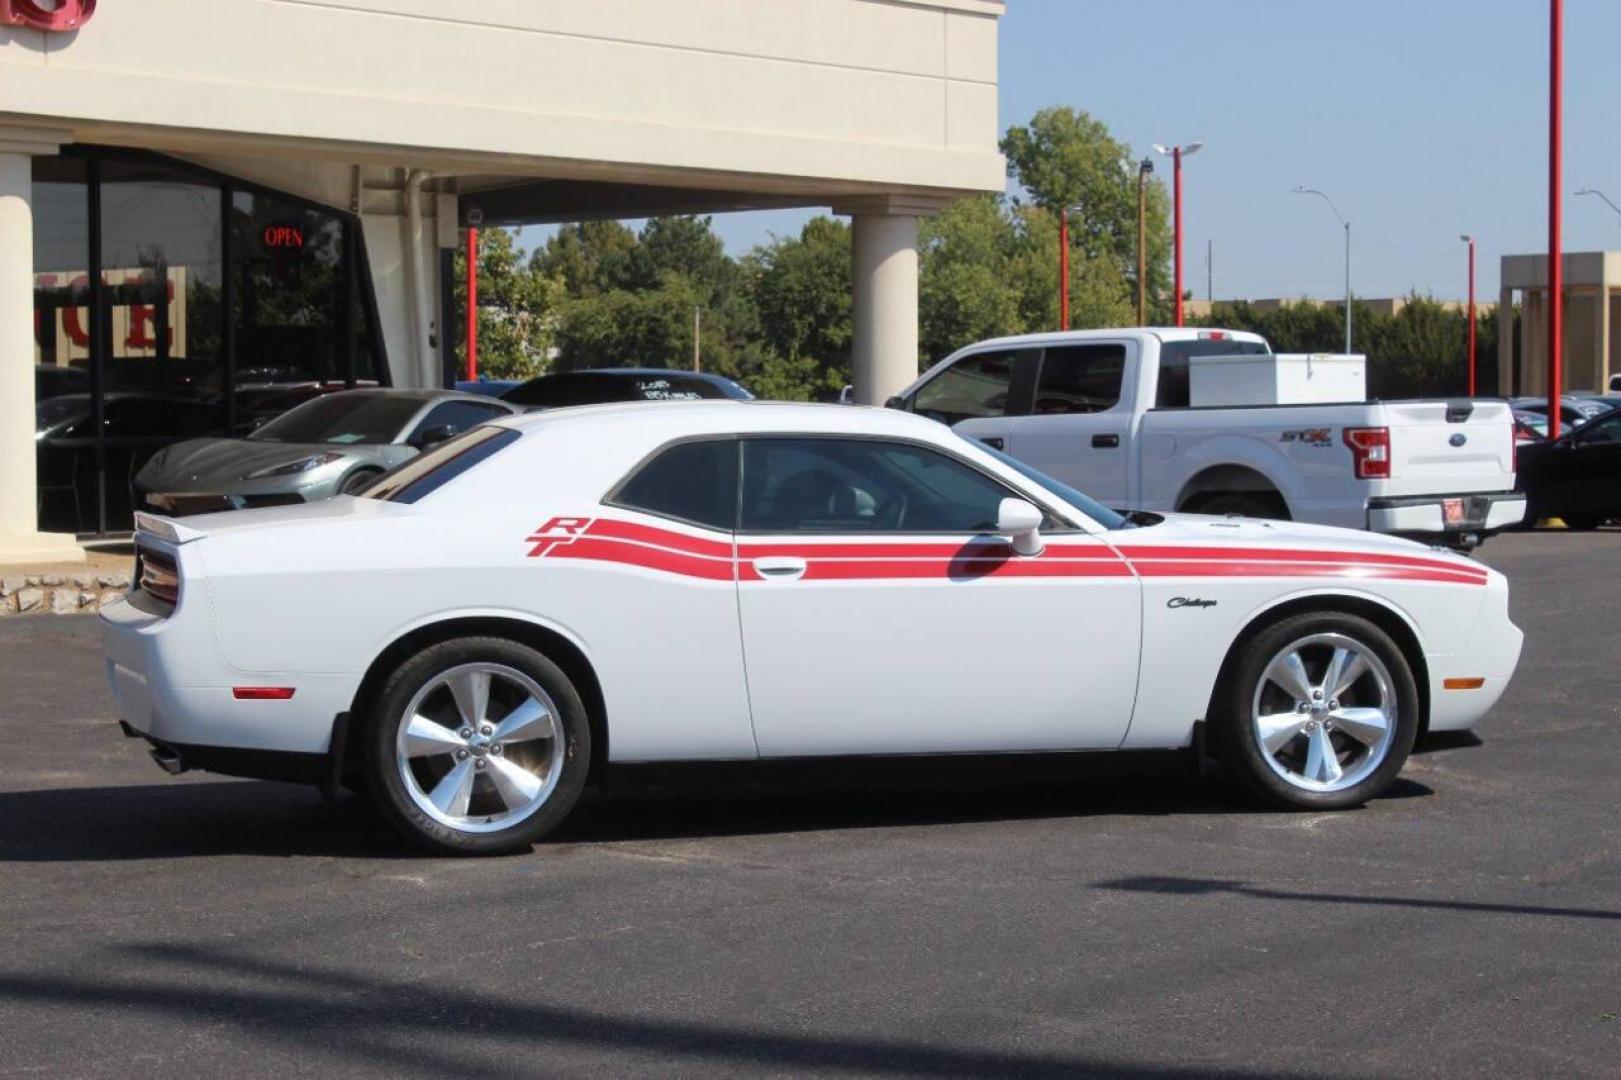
<point>468,639</point>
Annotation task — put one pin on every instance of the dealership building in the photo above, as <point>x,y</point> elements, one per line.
<point>204,204</point>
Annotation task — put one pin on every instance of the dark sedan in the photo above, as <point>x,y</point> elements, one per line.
<point>602,385</point>
<point>1577,476</point>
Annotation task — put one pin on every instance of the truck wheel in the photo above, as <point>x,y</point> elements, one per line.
<point>1319,712</point>
<point>1251,504</point>
<point>477,745</point>
<point>1583,522</point>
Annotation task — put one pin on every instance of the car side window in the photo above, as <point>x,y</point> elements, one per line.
<point>974,387</point>
<point>693,481</point>
<point>1605,430</point>
<point>458,416</point>
<point>1080,379</point>
<point>822,485</point>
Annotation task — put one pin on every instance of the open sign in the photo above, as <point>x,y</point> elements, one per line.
<point>283,237</point>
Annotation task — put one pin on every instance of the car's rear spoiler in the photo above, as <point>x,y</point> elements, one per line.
<point>166,528</point>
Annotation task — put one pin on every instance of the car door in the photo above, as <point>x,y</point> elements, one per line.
<point>1591,469</point>
<point>1079,425</point>
<point>980,394</point>
<point>880,615</point>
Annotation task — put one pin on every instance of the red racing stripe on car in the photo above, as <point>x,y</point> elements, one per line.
<point>1275,569</point>
<point>984,549</point>
<point>666,538</point>
<point>602,549</point>
<point>1139,554</point>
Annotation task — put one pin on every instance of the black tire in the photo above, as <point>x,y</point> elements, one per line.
<point>1267,506</point>
<point>358,481</point>
<point>1233,729</point>
<point>387,787</point>
<point>1582,522</point>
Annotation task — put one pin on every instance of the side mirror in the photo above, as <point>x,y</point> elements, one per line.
<point>435,435</point>
<point>1021,522</point>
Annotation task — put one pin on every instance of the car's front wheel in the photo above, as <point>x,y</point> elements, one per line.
<point>477,745</point>
<point>1319,712</point>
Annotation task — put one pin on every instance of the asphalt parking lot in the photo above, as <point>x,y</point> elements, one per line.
<point>1033,923</point>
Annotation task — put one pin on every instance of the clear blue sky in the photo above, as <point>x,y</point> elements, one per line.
<point>1422,119</point>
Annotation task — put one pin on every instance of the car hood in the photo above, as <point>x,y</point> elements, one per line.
<point>1251,534</point>
<point>204,464</point>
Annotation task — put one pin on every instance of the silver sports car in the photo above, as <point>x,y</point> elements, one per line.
<point>331,445</point>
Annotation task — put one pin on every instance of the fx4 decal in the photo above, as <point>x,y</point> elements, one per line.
<point>1317,436</point>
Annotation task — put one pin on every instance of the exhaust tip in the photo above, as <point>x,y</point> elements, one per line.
<point>169,761</point>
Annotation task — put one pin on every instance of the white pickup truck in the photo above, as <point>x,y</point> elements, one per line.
<point>1109,412</point>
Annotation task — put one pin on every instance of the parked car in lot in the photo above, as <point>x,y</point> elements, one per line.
<point>487,387</point>
<point>336,443</point>
<point>636,583</point>
<point>602,385</point>
<point>1574,411</point>
<point>1112,412</point>
<point>1576,477</point>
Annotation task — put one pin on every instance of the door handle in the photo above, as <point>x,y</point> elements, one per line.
<point>780,568</point>
<point>1105,442</point>
<point>995,442</point>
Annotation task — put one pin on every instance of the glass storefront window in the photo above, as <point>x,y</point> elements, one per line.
<point>166,360</point>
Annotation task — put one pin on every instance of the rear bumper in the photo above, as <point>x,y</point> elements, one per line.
<point>172,686</point>
<point>1483,514</point>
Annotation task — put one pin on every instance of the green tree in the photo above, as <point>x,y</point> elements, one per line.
<point>519,309</point>
<point>801,287</point>
<point>966,292</point>
<point>1066,158</point>
<point>591,257</point>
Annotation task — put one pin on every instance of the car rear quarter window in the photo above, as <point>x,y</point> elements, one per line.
<point>974,387</point>
<point>694,481</point>
<point>1080,379</point>
<point>433,469</point>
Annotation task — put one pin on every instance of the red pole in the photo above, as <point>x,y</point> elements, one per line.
<point>1176,172</point>
<point>1063,269</point>
<point>472,305</point>
<point>1471,316</point>
<point>1556,269</point>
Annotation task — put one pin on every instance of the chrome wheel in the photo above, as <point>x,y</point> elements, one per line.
<point>1324,713</point>
<point>479,747</point>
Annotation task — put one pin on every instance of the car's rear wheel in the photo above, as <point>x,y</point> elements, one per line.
<point>1319,713</point>
<point>477,745</point>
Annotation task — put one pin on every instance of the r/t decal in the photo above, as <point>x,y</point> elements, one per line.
<point>557,531</point>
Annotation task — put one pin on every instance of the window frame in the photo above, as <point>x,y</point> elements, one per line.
<point>1125,396</point>
<point>1064,524</point>
<point>612,498</point>
<point>1021,384</point>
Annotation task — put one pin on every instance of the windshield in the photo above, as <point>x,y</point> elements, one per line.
<point>52,411</point>
<point>342,419</point>
<point>1084,503</point>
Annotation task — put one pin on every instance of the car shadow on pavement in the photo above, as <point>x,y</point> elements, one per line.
<point>369,1021</point>
<point>1180,886</point>
<point>191,818</point>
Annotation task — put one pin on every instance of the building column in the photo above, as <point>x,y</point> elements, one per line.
<point>20,538</point>
<point>1505,343</point>
<point>1601,339</point>
<point>883,304</point>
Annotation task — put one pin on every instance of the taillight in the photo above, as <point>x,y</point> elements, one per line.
<point>160,576</point>
<point>1370,451</point>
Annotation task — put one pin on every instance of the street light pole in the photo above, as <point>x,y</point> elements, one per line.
<point>1470,240</point>
<point>472,304</point>
<point>1600,194</point>
<point>1556,269</point>
<point>1063,266</point>
<point>1145,169</point>
<point>1176,154</point>
<point>1302,190</point>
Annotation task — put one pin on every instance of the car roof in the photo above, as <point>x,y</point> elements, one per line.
<point>424,395</point>
<point>1163,333</point>
<point>725,416</point>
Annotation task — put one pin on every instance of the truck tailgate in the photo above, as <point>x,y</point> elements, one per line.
<point>1439,447</point>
